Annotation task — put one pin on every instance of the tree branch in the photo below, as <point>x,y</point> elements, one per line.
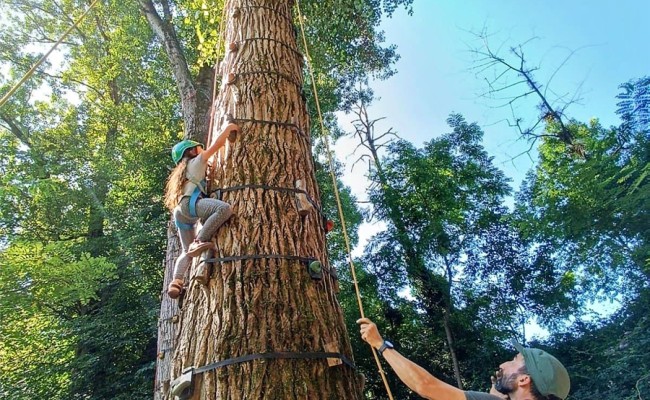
<point>488,58</point>
<point>167,35</point>
<point>16,130</point>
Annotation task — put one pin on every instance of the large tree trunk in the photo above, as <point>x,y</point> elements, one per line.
<point>269,304</point>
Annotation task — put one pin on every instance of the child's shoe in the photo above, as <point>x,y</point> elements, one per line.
<point>196,248</point>
<point>175,288</point>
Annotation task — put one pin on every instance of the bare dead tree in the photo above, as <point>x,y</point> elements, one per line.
<point>437,301</point>
<point>551,106</point>
<point>364,130</point>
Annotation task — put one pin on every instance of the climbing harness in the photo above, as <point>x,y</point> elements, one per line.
<point>197,194</point>
<point>183,226</point>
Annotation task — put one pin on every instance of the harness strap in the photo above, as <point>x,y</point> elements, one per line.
<point>183,388</point>
<point>268,356</point>
<point>220,192</point>
<point>183,226</point>
<point>304,260</point>
<point>196,195</point>
<point>201,185</point>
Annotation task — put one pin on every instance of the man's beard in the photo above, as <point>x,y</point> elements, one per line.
<point>505,384</point>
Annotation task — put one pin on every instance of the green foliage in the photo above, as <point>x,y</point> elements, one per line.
<point>82,173</point>
<point>592,212</point>
<point>34,355</point>
<point>588,211</point>
<point>346,48</point>
<point>335,240</point>
<point>450,242</point>
<point>42,287</point>
<point>438,200</point>
<point>608,358</point>
<point>116,350</point>
<point>52,276</point>
<point>634,105</point>
<point>199,22</point>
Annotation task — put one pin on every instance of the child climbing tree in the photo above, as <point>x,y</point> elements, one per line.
<point>262,324</point>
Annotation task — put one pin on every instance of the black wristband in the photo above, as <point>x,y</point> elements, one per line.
<point>384,346</point>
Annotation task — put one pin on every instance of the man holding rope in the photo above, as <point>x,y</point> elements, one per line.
<point>532,374</point>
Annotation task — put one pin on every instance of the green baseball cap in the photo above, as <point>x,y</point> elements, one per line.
<point>546,371</point>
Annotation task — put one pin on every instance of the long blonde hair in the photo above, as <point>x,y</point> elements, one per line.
<point>175,183</point>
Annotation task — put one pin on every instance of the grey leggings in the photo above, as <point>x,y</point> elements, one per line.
<point>212,213</point>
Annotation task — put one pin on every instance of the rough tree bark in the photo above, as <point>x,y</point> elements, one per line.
<point>262,305</point>
<point>168,321</point>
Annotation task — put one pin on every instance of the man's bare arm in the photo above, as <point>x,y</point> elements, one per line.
<point>413,376</point>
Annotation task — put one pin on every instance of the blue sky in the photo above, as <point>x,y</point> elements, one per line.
<point>435,78</point>
<point>609,40</point>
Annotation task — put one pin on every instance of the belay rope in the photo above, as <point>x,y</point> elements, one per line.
<point>325,134</point>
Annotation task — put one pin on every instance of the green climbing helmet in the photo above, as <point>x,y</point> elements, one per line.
<point>180,147</point>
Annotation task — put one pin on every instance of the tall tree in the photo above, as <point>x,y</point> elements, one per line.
<point>261,88</point>
<point>586,200</point>
<point>593,213</point>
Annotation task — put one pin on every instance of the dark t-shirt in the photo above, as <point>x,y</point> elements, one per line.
<point>480,396</point>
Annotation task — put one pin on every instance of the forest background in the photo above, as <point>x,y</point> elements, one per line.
<point>85,151</point>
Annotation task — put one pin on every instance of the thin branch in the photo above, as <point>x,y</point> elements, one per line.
<point>488,59</point>
<point>388,133</point>
<point>362,144</point>
<point>70,20</point>
<point>492,90</point>
<point>505,71</point>
<point>361,158</point>
<point>380,146</point>
<point>638,391</point>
